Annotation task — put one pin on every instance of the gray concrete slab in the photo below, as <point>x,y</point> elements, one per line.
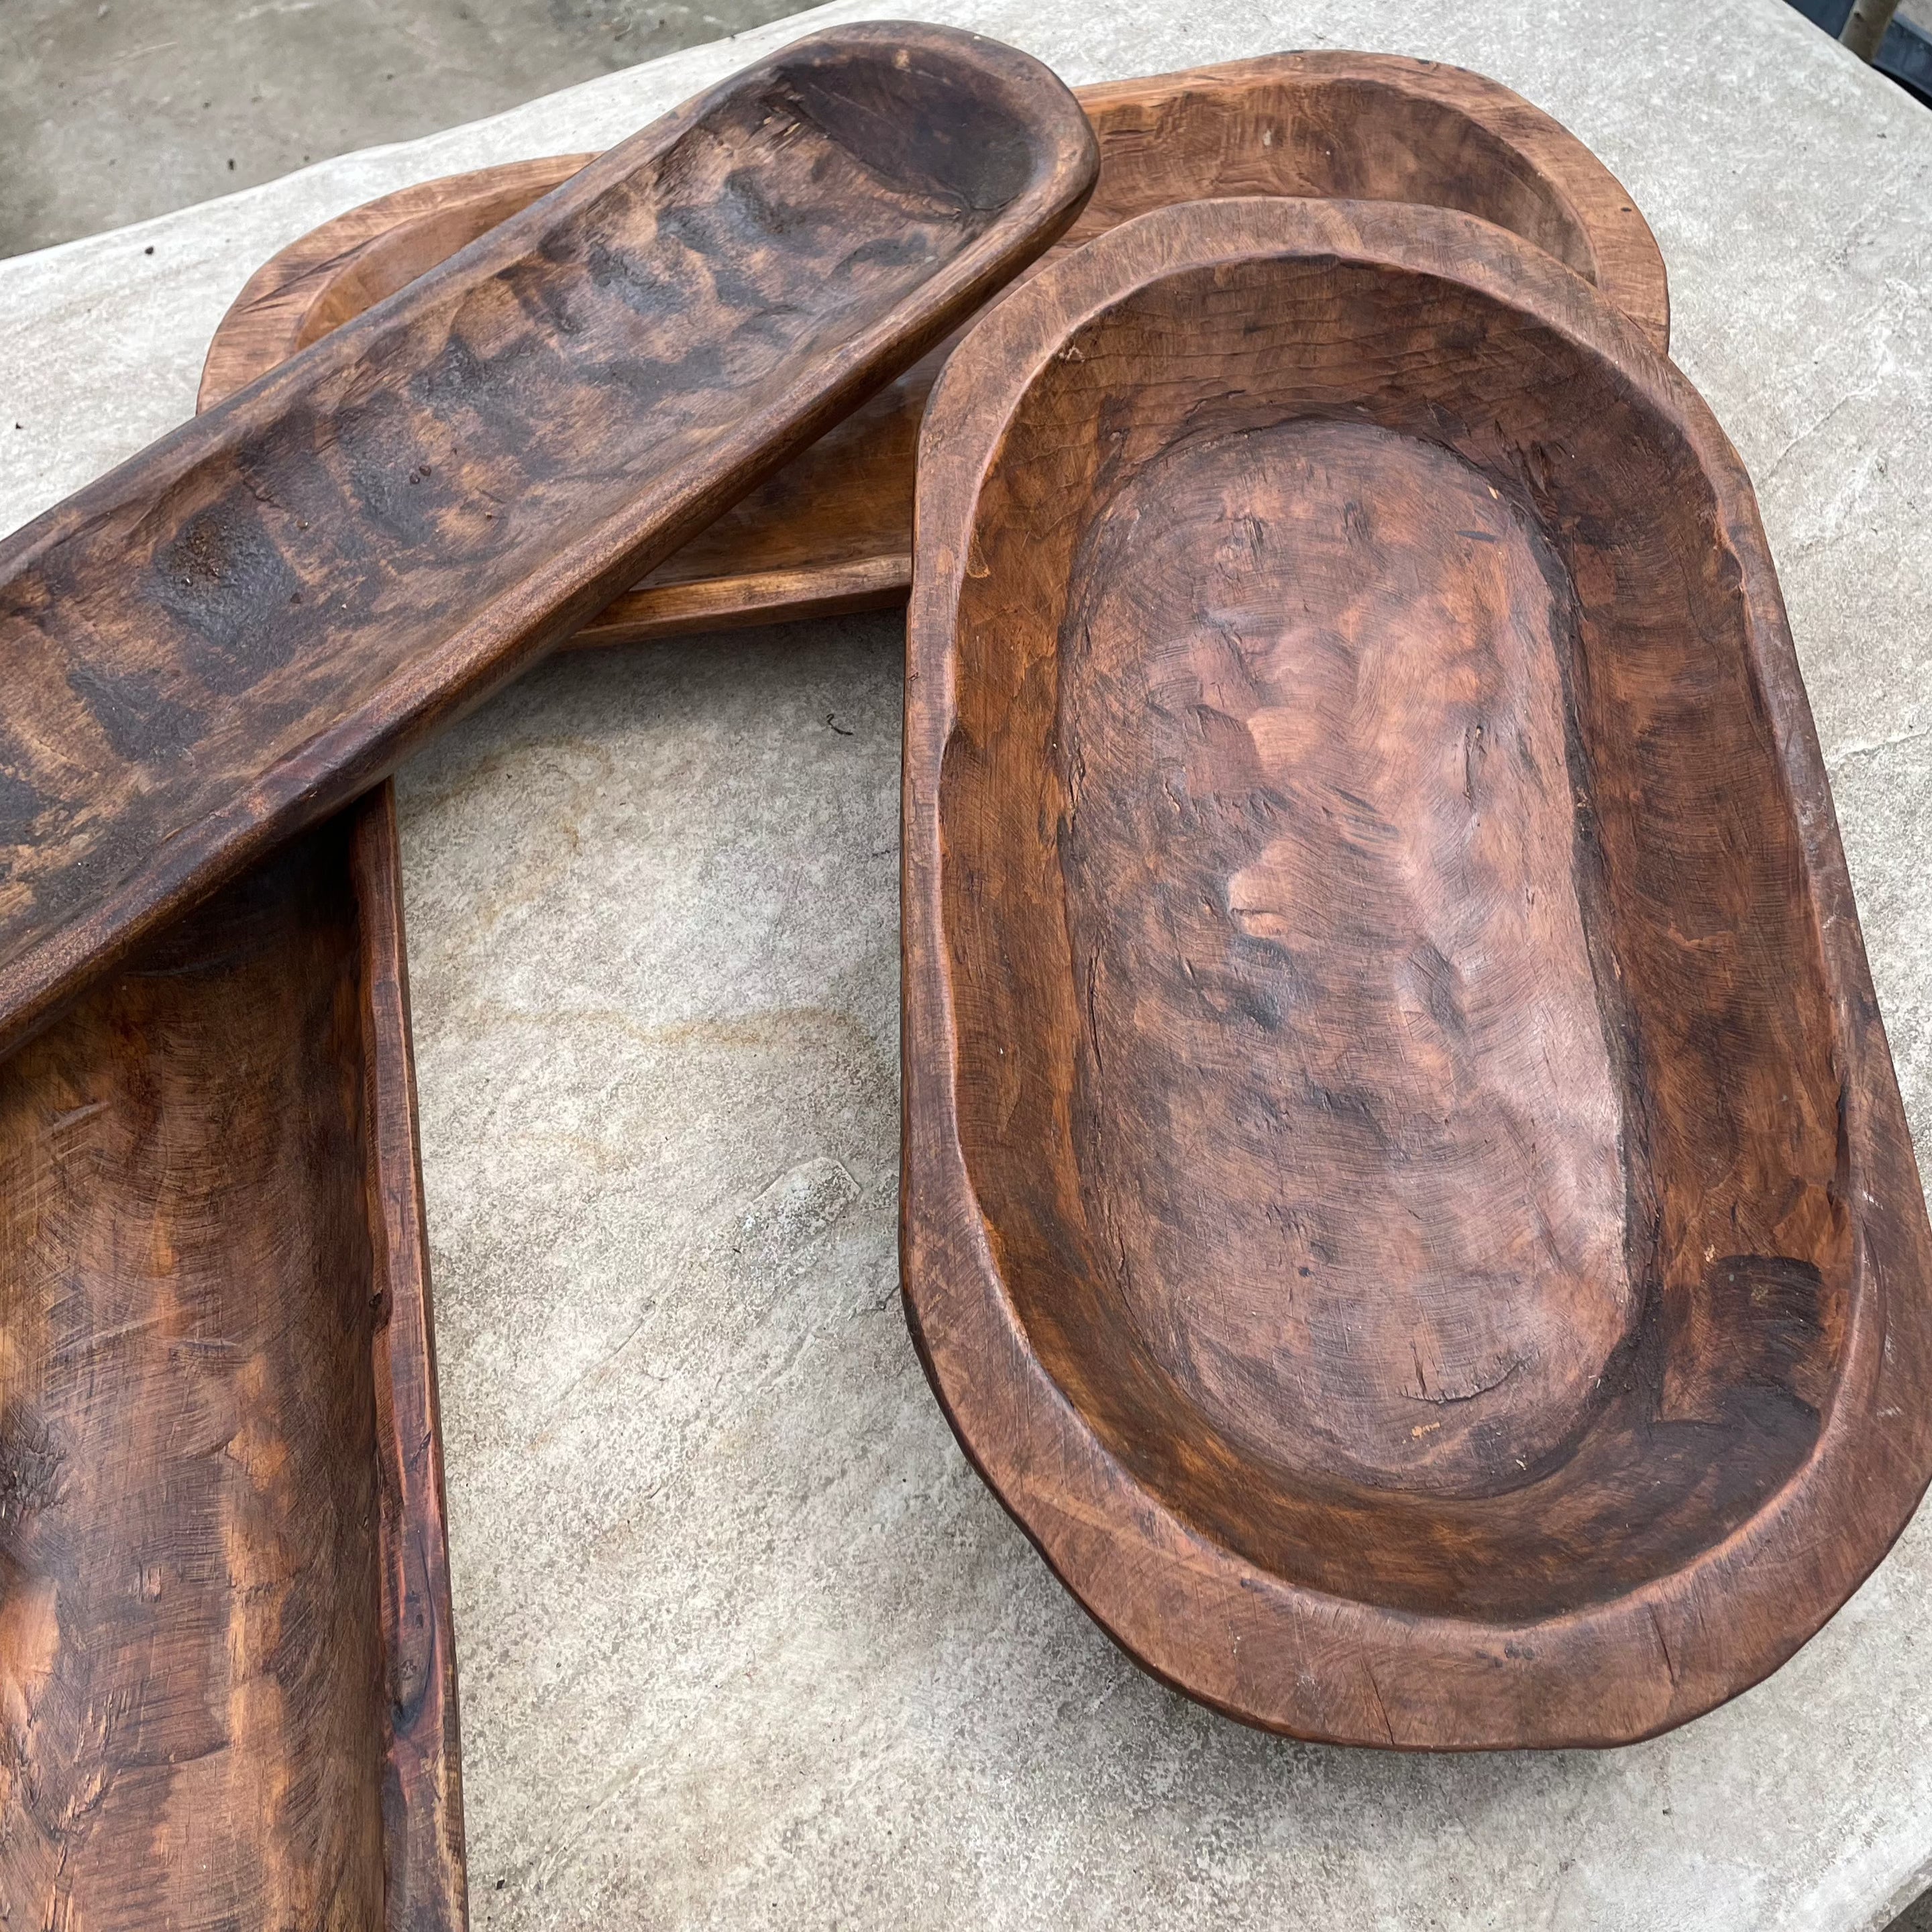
<point>743,1641</point>
<point>114,110</point>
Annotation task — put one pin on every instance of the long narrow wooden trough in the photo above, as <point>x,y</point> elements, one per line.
<point>832,531</point>
<point>227,1676</point>
<point>1406,1198</point>
<point>226,1642</point>
<point>248,624</point>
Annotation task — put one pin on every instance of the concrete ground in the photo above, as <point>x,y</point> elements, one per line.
<point>112,112</point>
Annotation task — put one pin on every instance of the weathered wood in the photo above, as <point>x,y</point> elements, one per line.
<point>248,624</point>
<point>189,1066</point>
<point>225,1634</point>
<point>425,1884</point>
<point>224,1604</point>
<point>833,530</point>
<point>1406,1198</point>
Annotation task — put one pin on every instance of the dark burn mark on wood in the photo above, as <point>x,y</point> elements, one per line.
<point>227,584</point>
<point>904,126</point>
<point>30,1461</point>
<point>133,711</point>
<point>21,802</point>
<point>1757,1324</point>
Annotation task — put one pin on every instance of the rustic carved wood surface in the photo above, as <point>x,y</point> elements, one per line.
<point>156,1236</point>
<point>225,1638</point>
<point>1406,1198</point>
<point>225,1631</point>
<point>833,530</point>
<point>249,623</point>
<point>425,1882</point>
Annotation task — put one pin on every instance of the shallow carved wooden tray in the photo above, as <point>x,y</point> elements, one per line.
<point>248,624</point>
<point>1406,1197</point>
<point>833,530</point>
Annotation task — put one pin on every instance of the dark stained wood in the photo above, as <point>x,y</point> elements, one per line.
<point>832,531</point>
<point>225,1630</point>
<point>1406,1198</point>
<point>425,1884</point>
<point>342,269</point>
<point>248,624</point>
<point>224,1604</point>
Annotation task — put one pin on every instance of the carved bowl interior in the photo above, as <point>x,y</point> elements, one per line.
<point>1378,1075</point>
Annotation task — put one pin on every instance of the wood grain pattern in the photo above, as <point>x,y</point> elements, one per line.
<point>248,624</point>
<point>227,1673</point>
<point>425,1885</point>
<point>343,269</point>
<point>832,531</point>
<point>227,1694</point>
<point>1406,1198</point>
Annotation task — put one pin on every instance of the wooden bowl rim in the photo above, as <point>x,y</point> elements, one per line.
<point>266,322</point>
<point>1237,1638</point>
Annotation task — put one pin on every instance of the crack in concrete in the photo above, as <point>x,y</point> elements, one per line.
<point>1870,748</point>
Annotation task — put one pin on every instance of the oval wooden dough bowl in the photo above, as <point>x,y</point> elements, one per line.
<point>833,530</point>
<point>1406,1198</point>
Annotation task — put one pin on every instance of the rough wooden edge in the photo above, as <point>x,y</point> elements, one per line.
<point>1238,1639</point>
<point>422,1782</point>
<point>278,310</point>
